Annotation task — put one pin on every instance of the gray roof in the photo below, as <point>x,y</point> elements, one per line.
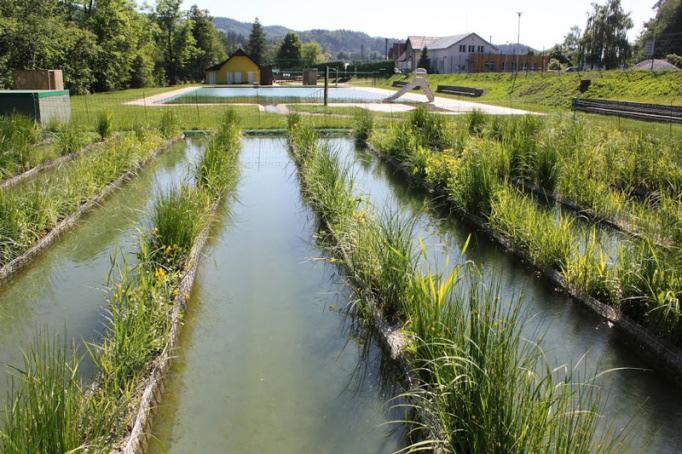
<point>443,42</point>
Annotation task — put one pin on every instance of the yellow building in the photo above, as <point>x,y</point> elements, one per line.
<point>238,69</point>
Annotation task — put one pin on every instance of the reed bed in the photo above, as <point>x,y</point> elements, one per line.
<point>24,145</point>
<point>141,301</point>
<point>480,386</point>
<point>476,174</point>
<point>31,209</point>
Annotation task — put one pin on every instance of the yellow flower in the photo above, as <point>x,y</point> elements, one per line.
<point>160,273</point>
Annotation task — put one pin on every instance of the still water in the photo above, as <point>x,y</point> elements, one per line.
<point>63,290</point>
<point>268,362</point>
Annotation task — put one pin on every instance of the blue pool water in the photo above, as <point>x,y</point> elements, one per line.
<point>274,94</point>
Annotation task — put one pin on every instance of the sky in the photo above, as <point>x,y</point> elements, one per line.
<point>543,22</point>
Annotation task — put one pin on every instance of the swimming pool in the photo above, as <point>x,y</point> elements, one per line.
<point>273,95</point>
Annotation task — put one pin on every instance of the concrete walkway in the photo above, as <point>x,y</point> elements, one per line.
<point>452,106</point>
<point>156,100</point>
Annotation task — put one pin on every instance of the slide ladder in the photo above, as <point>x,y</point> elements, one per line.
<point>418,82</point>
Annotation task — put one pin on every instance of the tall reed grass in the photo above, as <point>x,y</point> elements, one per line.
<point>54,413</point>
<point>18,134</point>
<point>482,387</point>
<point>582,165</point>
<point>32,209</point>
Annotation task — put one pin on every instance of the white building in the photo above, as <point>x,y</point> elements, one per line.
<point>448,54</point>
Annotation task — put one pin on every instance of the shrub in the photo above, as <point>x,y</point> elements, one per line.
<point>674,59</point>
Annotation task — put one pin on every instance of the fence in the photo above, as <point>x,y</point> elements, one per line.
<point>640,111</point>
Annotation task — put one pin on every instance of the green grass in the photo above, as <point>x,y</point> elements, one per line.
<point>482,387</point>
<point>549,90</point>
<point>24,145</point>
<point>87,108</point>
<point>47,415</point>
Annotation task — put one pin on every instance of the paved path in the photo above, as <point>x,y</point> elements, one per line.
<point>155,100</point>
<point>452,106</point>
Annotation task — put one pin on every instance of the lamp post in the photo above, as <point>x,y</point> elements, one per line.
<point>518,42</point>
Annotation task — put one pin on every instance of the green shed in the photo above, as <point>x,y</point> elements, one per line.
<point>41,105</point>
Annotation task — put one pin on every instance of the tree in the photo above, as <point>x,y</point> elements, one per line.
<point>168,16</point>
<point>257,42</point>
<point>665,28</point>
<point>123,37</point>
<point>233,41</point>
<point>210,48</point>
<point>311,53</point>
<point>424,60</point>
<point>571,45</point>
<point>39,34</point>
<point>557,53</point>
<point>289,53</point>
<point>604,43</point>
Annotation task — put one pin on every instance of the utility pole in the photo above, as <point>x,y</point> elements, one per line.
<point>518,42</point>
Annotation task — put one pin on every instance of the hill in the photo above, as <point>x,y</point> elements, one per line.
<point>332,41</point>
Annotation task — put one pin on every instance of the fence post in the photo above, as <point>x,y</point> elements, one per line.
<point>196,104</point>
<point>326,85</point>
<point>144,104</point>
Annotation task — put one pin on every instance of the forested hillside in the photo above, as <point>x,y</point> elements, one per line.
<point>108,44</point>
<point>332,42</point>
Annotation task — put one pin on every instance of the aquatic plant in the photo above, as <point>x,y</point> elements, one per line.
<point>105,124</point>
<point>481,386</point>
<point>363,124</point>
<point>169,125</point>
<point>33,208</point>
<point>55,413</point>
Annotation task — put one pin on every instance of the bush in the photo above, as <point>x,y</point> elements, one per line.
<point>674,59</point>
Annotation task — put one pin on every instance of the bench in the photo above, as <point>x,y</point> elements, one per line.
<point>462,91</point>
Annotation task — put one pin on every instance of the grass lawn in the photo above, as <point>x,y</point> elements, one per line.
<point>550,90</point>
<point>86,110</point>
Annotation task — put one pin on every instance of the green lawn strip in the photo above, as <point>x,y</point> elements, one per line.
<point>553,89</point>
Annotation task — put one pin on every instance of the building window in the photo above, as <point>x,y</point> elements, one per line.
<point>489,66</point>
<point>462,48</point>
<point>471,48</point>
<point>481,49</point>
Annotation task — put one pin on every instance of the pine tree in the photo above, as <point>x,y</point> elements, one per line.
<point>424,60</point>
<point>256,44</point>
<point>289,53</point>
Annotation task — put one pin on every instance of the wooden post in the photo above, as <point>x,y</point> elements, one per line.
<point>326,85</point>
